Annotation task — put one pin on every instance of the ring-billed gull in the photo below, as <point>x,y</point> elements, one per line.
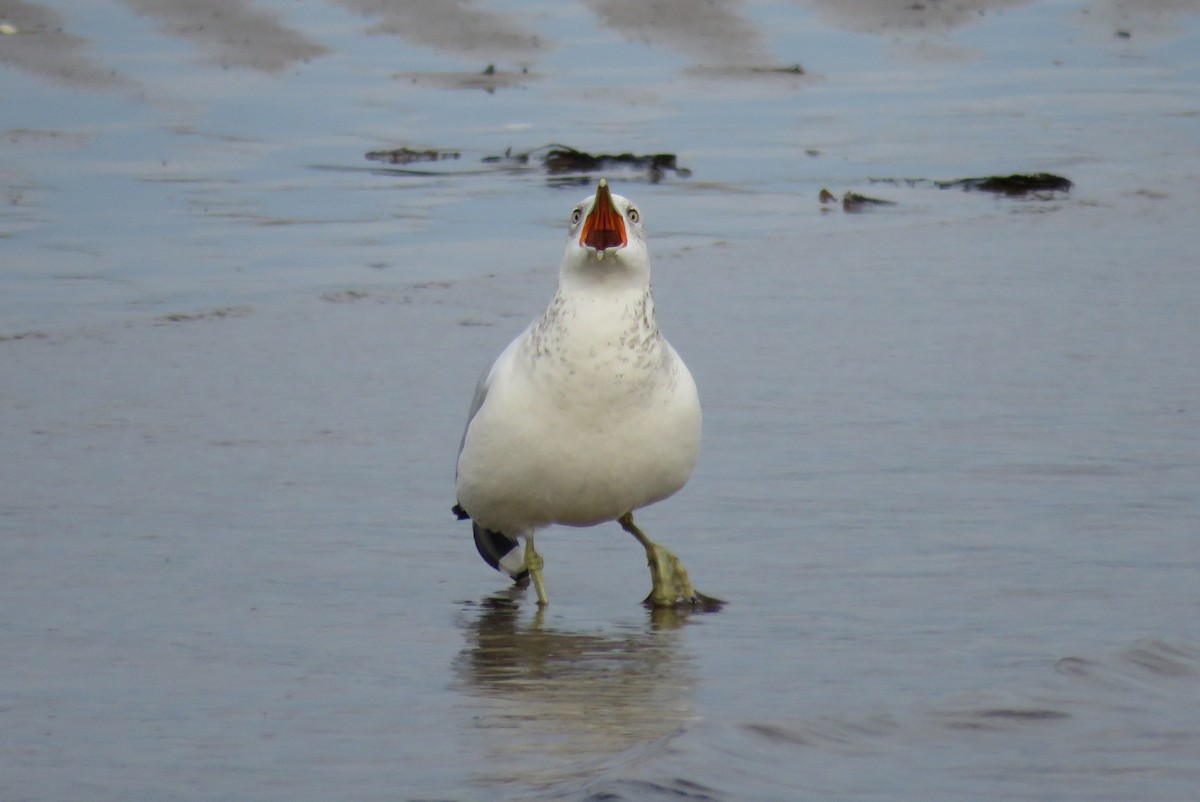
<point>586,416</point>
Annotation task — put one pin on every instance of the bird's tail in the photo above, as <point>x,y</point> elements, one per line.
<point>500,551</point>
<point>496,548</point>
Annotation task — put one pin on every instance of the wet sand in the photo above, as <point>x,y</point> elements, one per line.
<point>951,456</point>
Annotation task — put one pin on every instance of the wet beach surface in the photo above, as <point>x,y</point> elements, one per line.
<point>950,484</point>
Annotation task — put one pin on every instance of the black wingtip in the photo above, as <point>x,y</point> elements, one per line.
<point>497,550</point>
<point>460,512</point>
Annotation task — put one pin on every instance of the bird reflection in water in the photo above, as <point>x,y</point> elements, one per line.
<point>555,709</point>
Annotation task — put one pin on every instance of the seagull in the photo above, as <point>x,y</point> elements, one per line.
<point>588,415</point>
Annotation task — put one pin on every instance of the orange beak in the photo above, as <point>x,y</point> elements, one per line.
<point>604,227</point>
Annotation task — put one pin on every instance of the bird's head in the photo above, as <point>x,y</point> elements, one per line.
<point>606,237</point>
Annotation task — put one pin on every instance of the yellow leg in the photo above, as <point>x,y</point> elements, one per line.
<point>671,585</point>
<point>533,564</point>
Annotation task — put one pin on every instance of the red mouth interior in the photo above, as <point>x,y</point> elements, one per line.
<point>604,227</point>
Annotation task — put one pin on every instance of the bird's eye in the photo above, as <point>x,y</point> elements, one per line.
<point>633,215</point>
<point>576,216</point>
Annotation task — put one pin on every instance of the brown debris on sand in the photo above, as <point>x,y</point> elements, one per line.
<point>489,79</point>
<point>223,313</point>
<point>791,69</point>
<point>852,201</point>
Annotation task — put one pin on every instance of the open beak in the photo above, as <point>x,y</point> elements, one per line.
<point>604,227</point>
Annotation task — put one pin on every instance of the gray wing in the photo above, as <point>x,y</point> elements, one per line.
<point>481,391</point>
<point>497,549</point>
<point>485,383</point>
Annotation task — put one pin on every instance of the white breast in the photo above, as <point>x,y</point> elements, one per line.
<point>588,415</point>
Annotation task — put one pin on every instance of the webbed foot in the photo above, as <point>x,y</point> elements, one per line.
<point>671,586</point>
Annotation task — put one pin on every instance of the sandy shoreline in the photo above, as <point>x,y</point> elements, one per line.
<point>950,468</point>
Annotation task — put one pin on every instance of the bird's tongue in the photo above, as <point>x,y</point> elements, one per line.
<point>604,227</point>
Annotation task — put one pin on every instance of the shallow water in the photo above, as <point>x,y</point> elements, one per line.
<point>951,474</point>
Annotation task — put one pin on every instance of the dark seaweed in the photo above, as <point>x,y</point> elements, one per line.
<point>408,156</point>
<point>1012,185</point>
<point>563,160</point>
